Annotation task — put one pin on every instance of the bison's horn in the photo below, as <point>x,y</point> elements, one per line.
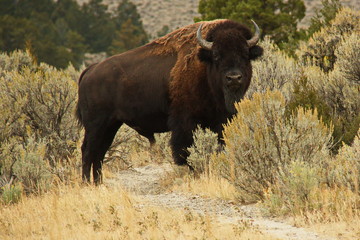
<point>254,40</point>
<point>202,42</point>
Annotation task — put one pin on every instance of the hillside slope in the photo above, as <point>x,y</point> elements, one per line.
<point>176,13</point>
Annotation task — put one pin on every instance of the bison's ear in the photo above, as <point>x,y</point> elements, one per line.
<point>255,52</point>
<point>205,55</point>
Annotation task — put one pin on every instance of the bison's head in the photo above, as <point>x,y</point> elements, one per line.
<point>227,52</point>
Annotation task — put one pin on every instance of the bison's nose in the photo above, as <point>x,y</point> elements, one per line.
<point>234,78</point>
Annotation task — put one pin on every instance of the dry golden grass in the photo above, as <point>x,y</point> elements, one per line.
<point>208,185</point>
<point>338,216</point>
<point>85,212</point>
<point>340,230</point>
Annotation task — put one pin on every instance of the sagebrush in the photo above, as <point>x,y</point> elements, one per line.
<point>261,142</point>
<point>37,125</point>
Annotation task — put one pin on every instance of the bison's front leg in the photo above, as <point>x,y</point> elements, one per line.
<point>179,142</point>
<point>218,129</point>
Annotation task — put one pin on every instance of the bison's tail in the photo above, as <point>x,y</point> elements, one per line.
<point>78,110</point>
<point>78,115</point>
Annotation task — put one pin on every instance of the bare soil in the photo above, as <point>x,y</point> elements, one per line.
<point>144,181</point>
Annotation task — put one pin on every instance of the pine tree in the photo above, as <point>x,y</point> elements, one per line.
<point>60,32</point>
<point>324,15</point>
<point>130,33</point>
<point>97,26</point>
<point>276,18</point>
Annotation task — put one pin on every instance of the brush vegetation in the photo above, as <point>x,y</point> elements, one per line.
<point>294,144</point>
<point>293,147</point>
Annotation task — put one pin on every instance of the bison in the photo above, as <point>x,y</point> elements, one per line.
<point>174,83</point>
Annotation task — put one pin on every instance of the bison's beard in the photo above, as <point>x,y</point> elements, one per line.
<point>232,96</point>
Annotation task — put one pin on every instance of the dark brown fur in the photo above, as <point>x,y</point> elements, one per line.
<point>170,84</point>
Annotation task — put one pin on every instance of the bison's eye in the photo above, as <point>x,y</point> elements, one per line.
<point>216,56</point>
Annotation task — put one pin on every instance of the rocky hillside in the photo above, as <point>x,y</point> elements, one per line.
<point>175,13</point>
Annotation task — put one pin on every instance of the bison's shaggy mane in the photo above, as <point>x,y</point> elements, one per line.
<point>183,42</point>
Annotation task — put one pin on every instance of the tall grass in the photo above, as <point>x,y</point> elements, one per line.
<point>79,212</point>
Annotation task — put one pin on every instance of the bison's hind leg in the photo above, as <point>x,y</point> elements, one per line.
<point>86,162</point>
<point>151,139</point>
<point>98,138</point>
<point>149,135</point>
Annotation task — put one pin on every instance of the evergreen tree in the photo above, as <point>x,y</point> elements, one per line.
<point>70,11</point>
<point>125,11</point>
<point>97,26</point>
<point>60,32</point>
<point>324,15</point>
<point>127,37</point>
<point>75,42</point>
<point>14,32</point>
<point>276,18</point>
<point>130,33</point>
<point>164,30</point>
<point>36,25</point>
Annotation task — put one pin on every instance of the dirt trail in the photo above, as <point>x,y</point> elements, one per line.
<point>144,183</point>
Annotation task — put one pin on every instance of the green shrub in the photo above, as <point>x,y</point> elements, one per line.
<point>325,192</point>
<point>37,125</point>
<point>348,58</point>
<point>273,71</point>
<point>344,169</point>
<point>320,49</point>
<point>337,91</point>
<point>261,143</point>
<point>307,97</point>
<point>28,163</point>
<point>16,61</point>
<point>42,103</point>
<point>293,191</point>
<point>205,145</point>
<point>11,194</point>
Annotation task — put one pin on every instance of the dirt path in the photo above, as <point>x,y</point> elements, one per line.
<point>144,182</point>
